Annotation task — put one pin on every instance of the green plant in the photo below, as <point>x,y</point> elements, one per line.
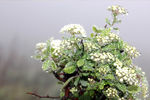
<point>98,67</point>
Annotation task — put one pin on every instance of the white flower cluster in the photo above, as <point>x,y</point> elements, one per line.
<point>73,29</point>
<point>56,45</point>
<point>143,82</point>
<point>89,46</point>
<point>91,80</point>
<point>41,47</point>
<point>40,50</point>
<point>73,90</point>
<point>102,57</point>
<point>111,92</point>
<point>127,74</point>
<point>145,91</point>
<point>103,70</point>
<point>111,37</point>
<point>131,51</point>
<point>117,10</point>
<point>118,63</point>
<point>67,44</point>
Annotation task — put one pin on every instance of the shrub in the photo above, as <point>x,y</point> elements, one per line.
<point>98,67</point>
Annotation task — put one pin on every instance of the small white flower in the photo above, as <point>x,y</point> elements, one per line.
<point>56,43</point>
<point>40,46</point>
<point>131,51</point>
<point>74,29</point>
<point>117,10</point>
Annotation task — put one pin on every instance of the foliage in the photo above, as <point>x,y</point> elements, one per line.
<point>98,67</point>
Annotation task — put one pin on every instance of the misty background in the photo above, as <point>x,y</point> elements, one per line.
<point>23,23</point>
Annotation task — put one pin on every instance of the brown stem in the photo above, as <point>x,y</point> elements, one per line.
<point>58,77</point>
<point>36,95</point>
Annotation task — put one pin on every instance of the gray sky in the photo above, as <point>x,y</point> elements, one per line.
<point>32,21</point>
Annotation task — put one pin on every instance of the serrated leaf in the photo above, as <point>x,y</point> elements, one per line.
<point>85,74</point>
<point>110,76</point>
<point>80,62</point>
<point>121,87</point>
<point>83,83</point>
<point>107,21</point>
<point>96,30</point>
<point>133,89</point>
<point>76,81</point>
<point>101,85</point>
<point>53,65</point>
<point>87,68</point>
<point>70,69</point>
<point>46,65</point>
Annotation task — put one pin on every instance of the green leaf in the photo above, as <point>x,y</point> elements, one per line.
<point>76,81</point>
<point>80,62</point>
<point>92,35</point>
<point>70,69</point>
<point>121,87</point>
<point>62,94</point>
<point>87,68</point>
<point>46,65</point>
<point>116,28</point>
<point>85,96</point>
<point>133,89</point>
<point>110,76</point>
<point>96,30</point>
<point>107,21</point>
<point>85,74</point>
<point>83,83</point>
<point>101,85</point>
<point>53,65</point>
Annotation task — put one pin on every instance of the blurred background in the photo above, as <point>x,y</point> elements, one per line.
<point>23,23</point>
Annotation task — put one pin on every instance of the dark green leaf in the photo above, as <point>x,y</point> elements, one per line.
<point>76,81</point>
<point>83,83</point>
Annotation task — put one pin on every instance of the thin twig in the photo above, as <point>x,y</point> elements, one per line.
<point>36,95</point>
<point>82,47</point>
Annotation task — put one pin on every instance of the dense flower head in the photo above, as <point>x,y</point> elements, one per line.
<point>143,82</point>
<point>40,46</point>
<point>131,51</point>
<point>128,75</point>
<point>108,38</point>
<point>90,46</point>
<point>111,92</point>
<point>55,44</point>
<point>103,70</point>
<point>102,57</point>
<point>117,10</point>
<point>73,90</point>
<point>73,29</point>
<point>118,63</point>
